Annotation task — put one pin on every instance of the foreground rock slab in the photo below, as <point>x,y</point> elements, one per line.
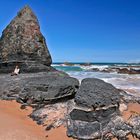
<point>37,88</point>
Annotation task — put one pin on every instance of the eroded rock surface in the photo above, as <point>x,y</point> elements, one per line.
<point>22,43</point>
<point>97,93</point>
<point>37,88</point>
<point>95,113</point>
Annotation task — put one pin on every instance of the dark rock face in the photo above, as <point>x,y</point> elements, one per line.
<point>22,43</point>
<point>91,116</point>
<point>125,70</point>
<point>128,71</point>
<point>93,109</point>
<point>37,88</point>
<point>115,127</point>
<point>97,93</point>
<point>90,119</point>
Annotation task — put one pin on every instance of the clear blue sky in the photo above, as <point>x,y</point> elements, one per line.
<point>84,30</point>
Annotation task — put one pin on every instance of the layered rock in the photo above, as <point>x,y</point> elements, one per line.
<point>94,113</point>
<point>22,43</point>
<point>38,88</point>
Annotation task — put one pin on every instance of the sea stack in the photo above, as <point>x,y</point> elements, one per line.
<point>22,43</point>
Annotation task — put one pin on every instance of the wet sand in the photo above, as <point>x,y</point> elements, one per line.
<point>16,125</point>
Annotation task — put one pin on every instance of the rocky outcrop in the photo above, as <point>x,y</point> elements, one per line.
<point>22,43</point>
<point>128,71</point>
<point>121,70</point>
<point>95,112</point>
<point>38,88</point>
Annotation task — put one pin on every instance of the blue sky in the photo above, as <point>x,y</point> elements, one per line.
<point>84,30</point>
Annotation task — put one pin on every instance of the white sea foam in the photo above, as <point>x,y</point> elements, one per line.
<point>54,65</point>
<point>129,83</point>
<point>90,67</point>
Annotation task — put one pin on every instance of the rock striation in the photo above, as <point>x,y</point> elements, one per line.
<point>95,113</point>
<point>38,88</point>
<point>22,43</point>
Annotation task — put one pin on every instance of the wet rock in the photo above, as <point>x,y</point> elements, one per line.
<point>86,64</point>
<point>121,70</point>
<point>128,71</point>
<point>68,64</point>
<point>22,43</point>
<point>96,93</point>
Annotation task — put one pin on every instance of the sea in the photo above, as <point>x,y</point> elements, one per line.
<point>127,82</point>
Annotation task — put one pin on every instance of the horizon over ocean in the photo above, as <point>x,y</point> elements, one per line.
<point>96,62</point>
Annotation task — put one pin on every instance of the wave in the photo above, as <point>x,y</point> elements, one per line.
<point>93,67</point>
<point>127,82</point>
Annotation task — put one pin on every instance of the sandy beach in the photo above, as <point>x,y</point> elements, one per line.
<point>16,125</point>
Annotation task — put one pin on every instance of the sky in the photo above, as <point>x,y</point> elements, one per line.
<point>84,30</point>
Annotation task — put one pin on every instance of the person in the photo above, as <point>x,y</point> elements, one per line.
<point>16,71</point>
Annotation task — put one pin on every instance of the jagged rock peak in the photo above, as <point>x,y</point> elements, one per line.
<point>27,13</point>
<point>22,41</point>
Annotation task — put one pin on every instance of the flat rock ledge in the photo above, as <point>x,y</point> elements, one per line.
<point>38,88</point>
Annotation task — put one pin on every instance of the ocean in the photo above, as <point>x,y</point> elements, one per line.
<point>127,82</point>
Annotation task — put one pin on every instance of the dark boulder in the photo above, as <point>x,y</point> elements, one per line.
<point>128,71</point>
<point>105,123</point>
<point>37,88</point>
<point>23,44</point>
<point>95,114</point>
<point>90,116</point>
<point>96,93</point>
